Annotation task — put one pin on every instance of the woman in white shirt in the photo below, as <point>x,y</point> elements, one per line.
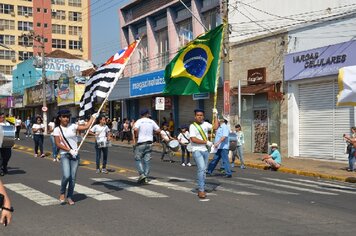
<point>37,130</point>
<point>18,123</point>
<point>51,127</point>
<point>65,136</point>
<point>102,136</point>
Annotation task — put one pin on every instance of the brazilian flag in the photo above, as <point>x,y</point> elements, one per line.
<point>195,67</point>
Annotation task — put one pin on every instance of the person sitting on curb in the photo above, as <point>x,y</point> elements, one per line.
<point>273,160</point>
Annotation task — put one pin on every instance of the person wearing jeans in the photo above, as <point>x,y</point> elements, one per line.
<point>38,129</point>
<point>239,148</point>
<point>69,174</point>
<point>51,127</point>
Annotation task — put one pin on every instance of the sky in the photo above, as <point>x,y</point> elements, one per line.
<point>105,28</point>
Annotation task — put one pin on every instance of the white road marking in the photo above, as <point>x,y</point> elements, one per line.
<point>32,194</point>
<point>139,190</point>
<point>326,183</point>
<point>288,186</point>
<point>89,192</point>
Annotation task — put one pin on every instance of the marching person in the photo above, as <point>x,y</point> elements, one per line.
<point>239,147</point>
<point>51,127</point>
<point>198,137</point>
<point>184,140</point>
<point>18,124</point>
<point>144,129</point>
<point>274,160</point>
<point>351,140</point>
<point>65,136</point>
<point>102,136</point>
<point>5,152</point>
<point>37,130</point>
<point>166,138</point>
<point>6,208</point>
<point>221,143</point>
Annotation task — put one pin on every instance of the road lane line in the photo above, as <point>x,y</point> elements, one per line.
<point>288,186</point>
<point>314,185</point>
<point>331,184</point>
<point>89,192</point>
<point>32,194</point>
<point>139,190</point>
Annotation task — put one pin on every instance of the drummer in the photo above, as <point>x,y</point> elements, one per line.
<point>166,138</point>
<point>5,152</point>
<point>184,141</point>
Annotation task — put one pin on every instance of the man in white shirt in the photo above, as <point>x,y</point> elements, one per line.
<point>143,130</point>
<point>5,153</point>
<point>166,138</point>
<point>199,140</point>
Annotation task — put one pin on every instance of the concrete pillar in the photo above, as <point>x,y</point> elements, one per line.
<point>173,37</point>
<point>196,9</point>
<point>151,44</point>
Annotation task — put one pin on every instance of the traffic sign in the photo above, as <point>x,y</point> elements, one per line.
<point>44,109</point>
<point>159,104</point>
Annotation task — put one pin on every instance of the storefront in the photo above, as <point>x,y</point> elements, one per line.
<point>315,123</point>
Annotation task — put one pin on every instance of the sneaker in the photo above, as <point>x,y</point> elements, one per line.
<point>183,164</point>
<point>141,178</point>
<point>43,155</point>
<point>188,164</point>
<point>26,136</point>
<point>35,155</point>
<point>145,180</point>
<point>242,167</point>
<point>62,199</point>
<point>55,159</point>
<point>97,171</point>
<point>18,139</point>
<point>201,195</point>
<point>232,165</point>
<point>104,171</point>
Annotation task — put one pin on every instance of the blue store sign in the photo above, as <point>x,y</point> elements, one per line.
<point>147,84</point>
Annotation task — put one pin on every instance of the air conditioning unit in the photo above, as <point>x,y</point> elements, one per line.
<point>12,13</point>
<point>54,10</point>
<point>26,14</point>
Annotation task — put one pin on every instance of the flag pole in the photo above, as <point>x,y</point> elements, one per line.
<point>206,29</point>
<point>117,77</point>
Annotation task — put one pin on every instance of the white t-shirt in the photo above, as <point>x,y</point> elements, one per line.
<point>165,135</point>
<point>70,132</point>
<point>51,125</point>
<point>100,132</point>
<point>38,126</point>
<point>18,122</point>
<point>114,125</point>
<point>145,128</point>
<point>182,139</point>
<point>5,123</point>
<point>193,131</point>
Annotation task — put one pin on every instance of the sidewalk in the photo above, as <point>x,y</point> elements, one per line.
<point>325,169</point>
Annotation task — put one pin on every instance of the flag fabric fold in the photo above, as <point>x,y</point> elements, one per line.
<point>195,67</point>
<point>102,81</point>
<point>347,86</point>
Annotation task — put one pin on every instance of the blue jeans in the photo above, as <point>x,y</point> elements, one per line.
<point>220,154</point>
<point>38,138</point>
<point>69,173</point>
<point>238,152</point>
<point>54,147</point>
<point>98,156</point>
<point>142,158</point>
<point>201,159</point>
<point>352,159</point>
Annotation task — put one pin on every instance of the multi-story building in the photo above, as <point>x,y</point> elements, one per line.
<point>63,24</point>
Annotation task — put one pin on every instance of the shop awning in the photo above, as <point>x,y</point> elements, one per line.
<point>258,88</point>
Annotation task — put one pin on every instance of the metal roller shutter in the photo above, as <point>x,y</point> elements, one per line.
<point>186,109</point>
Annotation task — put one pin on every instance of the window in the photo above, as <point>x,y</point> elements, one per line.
<point>75,3</point>
<point>75,16</point>
<point>7,24</point>
<point>163,47</point>
<point>58,43</point>
<point>6,8</point>
<point>143,54</point>
<point>45,10</point>
<point>7,39</point>
<point>38,9</point>
<point>185,32</point>
<point>25,41</point>
<point>5,69</point>
<point>24,26</point>
<point>45,25</point>
<point>58,2</point>
<point>24,11</point>
<point>75,30</point>
<point>59,29</point>
<point>25,55</point>
<point>58,14</point>
<point>38,24</point>
<point>211,19</point>
<point>76,45</point>
<point>7,55</point>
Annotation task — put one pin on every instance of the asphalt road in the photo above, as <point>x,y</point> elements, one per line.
<point>253,202</point>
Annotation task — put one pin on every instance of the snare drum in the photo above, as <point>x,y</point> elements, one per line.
<point>7,135</point>
<point>173,145</point>
<point>189,147</point>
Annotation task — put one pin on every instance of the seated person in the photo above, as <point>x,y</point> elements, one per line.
<point>273,160</point>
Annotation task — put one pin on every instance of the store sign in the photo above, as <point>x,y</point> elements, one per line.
<point>256,76</point>
<point>200,96</point>
<point>227,97</point>
<point>151,83</point>
<point>18,101</point>
<point>3,102</point>
<point>34,95</point>
<point>320,61</point>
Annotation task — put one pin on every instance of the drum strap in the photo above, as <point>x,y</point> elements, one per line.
<point>201,132</point>
<point>186,138</point>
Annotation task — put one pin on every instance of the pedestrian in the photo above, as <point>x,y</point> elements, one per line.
<point>239,147</point>
<point>102,137</point>
<point>351,140</point>
<point>221,145</point>
<point>171,124</point>
<point>165,139</point>
<point>274,159</point>
<point>6,208</point>
<point>126,131</point>
<point>51,126</point>
<point>114,128</point>
<point>38,130</point>
<point>28,126</point>
<point>5,152</point>
<point>144,129</point>
<point>66,141</point>
<point>198,137</point>
<point>18,124</point>
<point>184,140</point>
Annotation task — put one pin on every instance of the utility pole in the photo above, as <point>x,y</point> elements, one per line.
<point>226,57</point>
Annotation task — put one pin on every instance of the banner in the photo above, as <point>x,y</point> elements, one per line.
<point>347,86</point>
<point>65,90</point>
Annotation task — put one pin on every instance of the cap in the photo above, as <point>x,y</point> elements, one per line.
<point>165,124</point>
<point>274,145</point>
<point>63,112</point>
<point>144,111</point>
<point>199,110</point>
<point>184,127</point>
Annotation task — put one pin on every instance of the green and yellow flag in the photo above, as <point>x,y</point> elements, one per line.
<point>195,67</point>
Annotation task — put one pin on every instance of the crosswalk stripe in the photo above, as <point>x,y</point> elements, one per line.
<point>288,186</point>
<point>326,183</point>
<point>171,186</point>
<point>32,194</point>
<point>314,185</point>
<point>98,195</point>
<point>130,188</point>
<point>219,188</point>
